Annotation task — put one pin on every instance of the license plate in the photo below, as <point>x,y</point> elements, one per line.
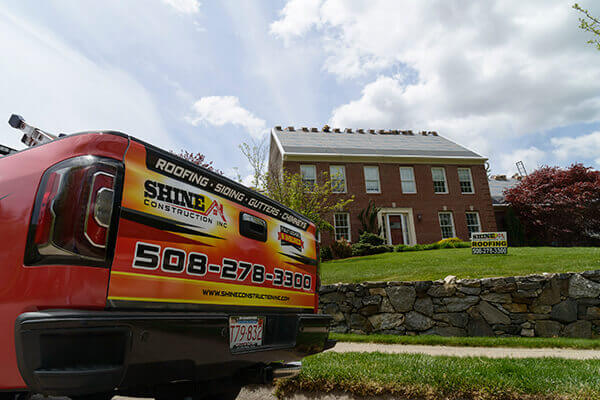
<point>245,332</point>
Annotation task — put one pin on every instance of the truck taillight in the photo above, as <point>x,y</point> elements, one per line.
<point>72,218</point>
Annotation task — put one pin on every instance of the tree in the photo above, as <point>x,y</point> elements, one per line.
<point>256,153</point>
<point>315,201</point>
<point>368,219</point>
<point>589,23</point>
<point>559,205</point>
<point>198,159</point>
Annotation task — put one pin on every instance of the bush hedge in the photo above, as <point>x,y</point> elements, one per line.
<point>326,254</point>
<point>365,249</point>
<point>451,243</point>
<point>341,249</point>
<point>369,243</point>
<point>371,238</point>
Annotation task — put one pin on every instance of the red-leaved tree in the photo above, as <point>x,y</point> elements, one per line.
<point>559,205</point>
<point>198,159</point>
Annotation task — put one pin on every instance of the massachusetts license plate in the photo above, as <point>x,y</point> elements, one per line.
<point>245,332</point>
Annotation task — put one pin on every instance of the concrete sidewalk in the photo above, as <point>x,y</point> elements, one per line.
<point>492,352</point>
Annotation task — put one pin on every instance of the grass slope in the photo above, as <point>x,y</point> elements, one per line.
<point>432,340</point>
<point>427,377</point>
<point>437,264</point>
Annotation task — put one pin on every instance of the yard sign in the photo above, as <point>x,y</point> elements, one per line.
<point>489,243</point>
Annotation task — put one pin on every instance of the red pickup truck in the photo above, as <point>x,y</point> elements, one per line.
<point>128,270</point>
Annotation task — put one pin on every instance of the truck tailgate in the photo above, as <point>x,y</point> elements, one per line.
<point>191,239</point>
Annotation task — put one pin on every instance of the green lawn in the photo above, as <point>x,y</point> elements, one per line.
<point>426,377</point>
<point>433,340</point>
<point>437,264</point>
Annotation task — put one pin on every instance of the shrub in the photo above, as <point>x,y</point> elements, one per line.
<point>383,248</point>
<point>364,249</point>
<point>361,249</point>
<point>463,245</point>
<point>341,249</point>
<point>326,253</point>
<point>413,248</point>
<point>401,247</point>
<point>371,238</point>
<point>450,240</point>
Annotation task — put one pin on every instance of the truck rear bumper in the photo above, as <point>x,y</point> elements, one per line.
<point>73,352</point>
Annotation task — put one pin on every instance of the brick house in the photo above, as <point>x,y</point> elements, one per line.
<point>427,187</point>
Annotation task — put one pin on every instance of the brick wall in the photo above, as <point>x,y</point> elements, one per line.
<point>425,202</point>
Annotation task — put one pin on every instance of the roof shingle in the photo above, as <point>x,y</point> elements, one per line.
<point>369,143</point>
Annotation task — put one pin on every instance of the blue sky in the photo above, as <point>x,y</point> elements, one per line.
<point>510,81</point>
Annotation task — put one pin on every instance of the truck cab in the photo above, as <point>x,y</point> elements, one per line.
<point>129,270</point>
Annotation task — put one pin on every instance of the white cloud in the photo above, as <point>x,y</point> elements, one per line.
<point>575,149</point>
<point>184,6</point>
<point>60,90</point>
<point>483,74</point>
<point>297,18</point>
<point>221,110</point>
<point>532,158</point>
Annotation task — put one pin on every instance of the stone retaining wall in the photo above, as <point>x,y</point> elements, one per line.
<point>535,305</point>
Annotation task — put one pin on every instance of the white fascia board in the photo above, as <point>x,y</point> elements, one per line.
<point>279,146</point>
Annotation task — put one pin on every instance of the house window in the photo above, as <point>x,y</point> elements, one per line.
<point>407,179</point>
<point>439,180</point>
<point>341,224</point>
<point>309,175</point>
<point>473,224</point>
<point>337,174</point>
<point>466,180</point>
<point>372,179</point>
<point>446,225</point>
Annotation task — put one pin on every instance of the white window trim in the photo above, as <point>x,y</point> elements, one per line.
<point>378,179</point>
<point>414,180</point>
<point>314,167</point>
<point>451,220</point>
<point>345,179</point>
<point>445,180</point>
<point>478,220</point>
<point>470,178</point>
<point>349,226</point>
